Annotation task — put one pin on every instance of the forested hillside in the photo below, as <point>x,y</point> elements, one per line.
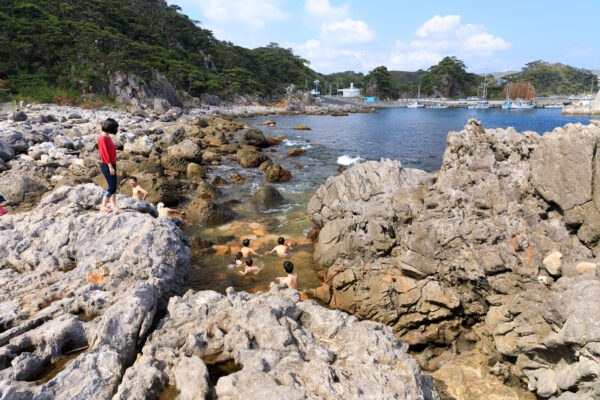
<point>76,44</point>
<point>556,79</point>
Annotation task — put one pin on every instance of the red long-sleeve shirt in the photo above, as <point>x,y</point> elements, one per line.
<point>108,152</point>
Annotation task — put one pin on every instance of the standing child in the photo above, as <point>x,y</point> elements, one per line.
<point>2,200</point>
<point>246,250</point>
<point>108,164</point>
<point>291,280</point>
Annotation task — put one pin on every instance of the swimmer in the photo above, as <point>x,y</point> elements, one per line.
<point>136,190</point>
<point>246,250</point>
<point>282,248</point>
<point>238,260</point>
<point>250,268</point>
<point>291,280</point>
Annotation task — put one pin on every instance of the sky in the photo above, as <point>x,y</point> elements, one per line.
<point>359,35</point>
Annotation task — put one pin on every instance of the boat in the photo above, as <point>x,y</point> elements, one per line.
<point>416,103</point>
<point>438,106</point>
<point>480,104</point>
<point>553,106</point>
<point>518,105</point>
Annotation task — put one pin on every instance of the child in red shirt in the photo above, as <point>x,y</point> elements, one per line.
<point>108,164</point>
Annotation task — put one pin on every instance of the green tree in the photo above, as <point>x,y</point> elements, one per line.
<point>381,77</point>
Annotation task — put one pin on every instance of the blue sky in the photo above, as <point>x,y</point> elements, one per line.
<point>407,35</point>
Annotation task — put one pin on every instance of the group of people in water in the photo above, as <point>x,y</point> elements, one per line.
<point>108,166</point>
<point>243,259</point>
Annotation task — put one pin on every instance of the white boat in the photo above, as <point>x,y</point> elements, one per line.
<point>553,106</point>
<point>517,105</point>
<point>414,104</point>
<point>438,106</point>
<point>480,104</point>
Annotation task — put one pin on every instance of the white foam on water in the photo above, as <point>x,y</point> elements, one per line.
<point>347,160</point>
<point>296,143</point>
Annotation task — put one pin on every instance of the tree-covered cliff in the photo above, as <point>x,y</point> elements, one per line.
<point>76,44</point>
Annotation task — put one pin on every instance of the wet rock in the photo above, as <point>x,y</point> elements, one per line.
<point>207,191</point>
<point>266,198</point>
<point>255,137</point>
<point>299,127</point>
<point>211,157</point>
<point>194,170</point>
<point>295,152</point>
<point>270,123</point>
<point>275,173</point>
<point>250,159</point>
<point>218,181</point>
<point>276,346</point>
<point>237,178</point>
<point>208,213</point>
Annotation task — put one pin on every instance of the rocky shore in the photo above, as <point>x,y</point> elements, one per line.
<point>90,304</point>
<point>487,268</point>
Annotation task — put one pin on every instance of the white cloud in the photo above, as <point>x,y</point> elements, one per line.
<point>347,31</point>
<point>485,42</point>
<point>438,25</point>
<point>323,10</point>
<point>251,14</point>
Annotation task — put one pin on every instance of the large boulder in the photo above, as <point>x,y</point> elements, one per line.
<point>266,198</point>
<point>161,106</point>
<point>17,141</point>
<point>6,152</point>
<point>160,189</point>
<point>80,292</point>
<point>207,191</point>
<point>186,150</point>
<point>429,254</point>
<point>255,137</point>
<point>249,158</point>
<point>275,173</point>
<point>205,212</point>
<point>295,105</point>
<point>21,191</point>
<point>273,346</point>
<point>19,116</point>
<point>143,146</point>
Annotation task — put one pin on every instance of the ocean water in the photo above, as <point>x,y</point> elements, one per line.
<point>416,137</point>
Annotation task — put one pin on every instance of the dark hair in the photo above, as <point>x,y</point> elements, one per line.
<point>288,266</point>
<point>246,242</point>
<point>110,126</point>
<point>133,178</point>
<point>281,240</point>
<point>239,256</point>
<point>249,261</point>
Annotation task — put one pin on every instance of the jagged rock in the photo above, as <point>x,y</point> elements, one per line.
<point>16,141</point>
<point>207,191</point>
<point>186,150</point>
<point>250,158</point>
<point>211,157</point>
<point>278,347</point>
<point>84,281</point>
<point>6,152</point>
<point>194,170</point>
<point>218,181</point>
<point>255,137</point>
<point>211,100</point>
<point>481,228</point>
<point>309,100</point>
<point>294,104</point>
<point>159,188</point>
<point>142,146</point>
<point>275,173</point>
<point>266,198</point>
<point>208,213</point>
<point>163,89</point>
<point>161,106</point>
<point>64,142</point>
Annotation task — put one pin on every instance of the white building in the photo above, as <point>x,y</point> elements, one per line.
<point>349,92</point>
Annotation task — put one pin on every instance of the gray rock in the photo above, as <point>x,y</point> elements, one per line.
<point>143,146</point>
<point>85,281</point>
<point>255,137</point>
<point>6,152</point>
<point>277,347</point>
<point>18,116</point>
<point>186,150</point>
<point>21,190</point>
<point>161,106</point>
<point>205,212</point>
<point>15,140</point>
<point>294,104</point>
<point>266,198</point>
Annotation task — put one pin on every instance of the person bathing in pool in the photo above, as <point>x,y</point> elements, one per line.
<point>250,267</point>
<point>282,248</point>
<point>291,280</point>
<point>246,250</point>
